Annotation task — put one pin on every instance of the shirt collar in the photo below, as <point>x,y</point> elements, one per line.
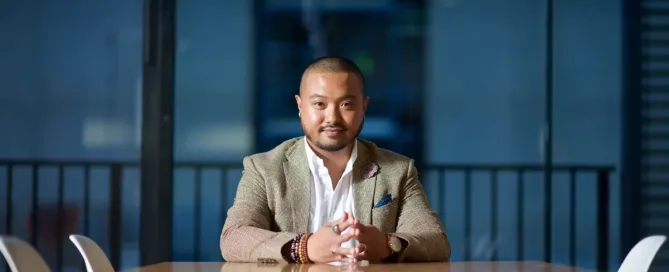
<point>316,163</point>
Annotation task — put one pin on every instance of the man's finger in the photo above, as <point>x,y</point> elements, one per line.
<point>342,219</point>
<point>362,248</point>
<point>360,256</point>
<point>347,236</point>
<point>345,251</point>
<point>354,222</point>
<point>346,259</point>
<point>347,224</point>
<point>364,228</point>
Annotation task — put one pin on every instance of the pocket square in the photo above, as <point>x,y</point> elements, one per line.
<point>385,200</point>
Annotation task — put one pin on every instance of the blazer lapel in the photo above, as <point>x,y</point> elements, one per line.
<point>365,170</point>
<point>297,174</point>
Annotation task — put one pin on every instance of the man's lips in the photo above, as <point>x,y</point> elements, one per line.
<point>332,129</point>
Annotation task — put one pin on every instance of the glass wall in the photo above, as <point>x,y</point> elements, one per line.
<point>446,87</point>
<point>213,119</point>
<point>451,83</point>
<point>486,105</point>
<point>587,115</point>
<point>70,93</point>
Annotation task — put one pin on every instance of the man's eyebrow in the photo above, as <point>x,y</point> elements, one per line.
<point>316,96</point>
<point>348,96</point>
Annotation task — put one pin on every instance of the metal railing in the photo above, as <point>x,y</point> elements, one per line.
<point>41,219</point>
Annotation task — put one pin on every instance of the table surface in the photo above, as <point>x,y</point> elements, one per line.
<point>427,267</point>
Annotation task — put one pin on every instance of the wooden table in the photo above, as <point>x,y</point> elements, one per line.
<point>423,267</point>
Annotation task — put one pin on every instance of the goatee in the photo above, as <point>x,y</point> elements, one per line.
<point>335,147</point>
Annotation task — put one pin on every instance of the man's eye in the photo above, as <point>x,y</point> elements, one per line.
<point>319,104</point>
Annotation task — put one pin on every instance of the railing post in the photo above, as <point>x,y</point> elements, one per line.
<point>572,216</point>
<point>115,178</point>
<point>603,219</point>
<point>8,205</point>
<point>441,187</point>
<point>468,215</point>
<point>35,205</point>
<point>60,219</point>
<point>520,253</point>
<point>197,213</point>
<point>8,194</point>
<point>494,217</point>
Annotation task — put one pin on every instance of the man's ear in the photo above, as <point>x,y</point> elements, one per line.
<point>365,103</point>
<point>298,101</point>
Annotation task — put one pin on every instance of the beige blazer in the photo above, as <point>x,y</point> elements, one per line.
<point>273,198</point>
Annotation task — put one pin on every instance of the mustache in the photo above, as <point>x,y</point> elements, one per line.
<point>331,127</point>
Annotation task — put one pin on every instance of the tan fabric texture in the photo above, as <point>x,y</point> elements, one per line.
<point>273,198</point>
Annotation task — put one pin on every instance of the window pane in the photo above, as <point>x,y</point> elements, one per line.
<point>213,119</point>
<point>485,104</point>
<point>587,111</point>
<point>70,75</point>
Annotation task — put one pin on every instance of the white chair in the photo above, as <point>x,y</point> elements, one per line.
<point>21,256</point>
<point>95,258</point>
<point>642,254</point>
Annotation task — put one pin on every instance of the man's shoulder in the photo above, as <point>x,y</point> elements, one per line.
<point>394,167</point>
<point>274,156</point>
<point>385,156</point>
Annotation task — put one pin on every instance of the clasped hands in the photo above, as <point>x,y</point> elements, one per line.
<point>324,246</point>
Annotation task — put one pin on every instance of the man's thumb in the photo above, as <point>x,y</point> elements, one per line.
<point>343,218</point>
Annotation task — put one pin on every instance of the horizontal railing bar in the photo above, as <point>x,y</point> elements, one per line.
<point>227,165</point>
<point>519,167</point>
<point>65,162</point>
<point>204,164</point>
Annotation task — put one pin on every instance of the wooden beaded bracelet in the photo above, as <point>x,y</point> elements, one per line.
<point>303,253</point>
<point>298,249</point>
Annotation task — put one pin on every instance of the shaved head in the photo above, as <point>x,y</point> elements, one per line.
<point>332,64</point>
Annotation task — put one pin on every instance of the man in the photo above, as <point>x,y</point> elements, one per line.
<point>329,196</point>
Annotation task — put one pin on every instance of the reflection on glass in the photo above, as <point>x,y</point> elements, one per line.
<point>69,97</point>
<point>213,119</point>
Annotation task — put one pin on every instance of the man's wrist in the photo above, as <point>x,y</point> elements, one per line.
<point>388,251</point>
<point>286,251</point>
<point>391,250</point>
<point>395,246</point>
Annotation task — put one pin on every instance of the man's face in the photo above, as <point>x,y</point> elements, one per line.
<point>332,108</point>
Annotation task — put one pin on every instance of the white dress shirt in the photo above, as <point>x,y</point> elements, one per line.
<point>328,204</point>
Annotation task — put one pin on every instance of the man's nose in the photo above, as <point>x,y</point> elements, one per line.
<point>332,115</point>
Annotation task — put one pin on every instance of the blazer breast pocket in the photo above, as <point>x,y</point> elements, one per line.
<point>384,213</point>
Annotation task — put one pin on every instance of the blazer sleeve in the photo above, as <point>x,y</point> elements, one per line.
<point>418,225</point>
<point>246,235</point>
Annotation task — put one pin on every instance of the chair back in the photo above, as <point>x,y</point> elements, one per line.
<point>21,256</point>
<point>642,254</point>
<point>95,258</point>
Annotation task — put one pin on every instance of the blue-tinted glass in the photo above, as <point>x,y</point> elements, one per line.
<point>471,72</point>
<point>70,90</point>
<point>485,104</point>
<point>213,111</point>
